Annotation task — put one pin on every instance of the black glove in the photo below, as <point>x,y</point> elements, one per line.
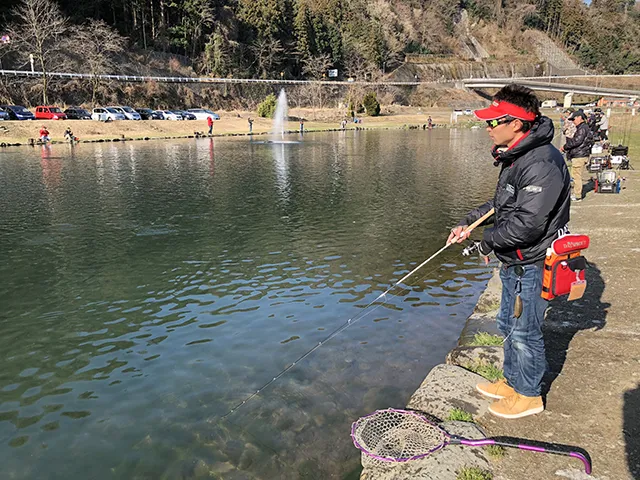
<point>484,249</point>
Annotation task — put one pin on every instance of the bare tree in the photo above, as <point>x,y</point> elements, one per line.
<point>97,43</point>
<point>268,54</point>
<point>317,66</point>
<point>39,31</point>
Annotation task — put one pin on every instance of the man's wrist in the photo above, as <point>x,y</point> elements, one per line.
<point>484,248</point>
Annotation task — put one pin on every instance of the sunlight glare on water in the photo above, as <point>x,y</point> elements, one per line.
<point>148,288</point>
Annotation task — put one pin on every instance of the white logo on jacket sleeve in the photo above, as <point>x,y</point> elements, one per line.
<point>532,189</point>
<point>510,188</point>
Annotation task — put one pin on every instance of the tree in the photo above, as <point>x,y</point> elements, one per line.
<point>195,17</point>
<point>267,52</point>
<point>97,43</point>
<point>371,104</point>
<point>40,31</point>
<point>317,66</point>
<point>268,107</point>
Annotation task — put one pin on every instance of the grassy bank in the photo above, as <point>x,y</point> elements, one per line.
<point>230,123</point>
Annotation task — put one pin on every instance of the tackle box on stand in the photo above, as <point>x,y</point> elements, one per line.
<point>607,182</point>
<point>620,157</point>
<point>598,163</point>
<point>599,158</point>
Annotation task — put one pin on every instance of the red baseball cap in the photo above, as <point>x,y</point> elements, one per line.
<point>499,109</point>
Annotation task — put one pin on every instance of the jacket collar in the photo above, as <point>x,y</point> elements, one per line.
<point>540,134</point>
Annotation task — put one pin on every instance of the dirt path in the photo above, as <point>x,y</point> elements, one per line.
<point>594,354</point>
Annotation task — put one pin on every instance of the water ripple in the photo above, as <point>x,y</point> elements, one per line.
<point>149,288</point>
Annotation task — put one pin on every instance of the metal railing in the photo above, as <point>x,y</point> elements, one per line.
<point>143,78</point>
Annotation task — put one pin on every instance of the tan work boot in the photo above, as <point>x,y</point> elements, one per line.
<point>499,389</point>
<point>517,406</point>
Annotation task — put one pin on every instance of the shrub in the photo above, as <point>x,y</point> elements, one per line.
<point>371,104</point>
<point>457,414</point>
<point>473,473</point>
<point>268,107</point>
<point>495,451</point>
<point>487,370</point>
<point>484,338</point>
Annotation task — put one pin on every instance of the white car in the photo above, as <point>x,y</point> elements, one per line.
<point>203,113</point>
<point>104,114</point>
<point>468,111</point>
<point>169,115</point>
<point>129,113</point>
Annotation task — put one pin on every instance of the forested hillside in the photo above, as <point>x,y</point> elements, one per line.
<point>364,39</point>
<point>261,38</point>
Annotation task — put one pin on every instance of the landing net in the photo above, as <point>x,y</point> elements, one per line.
<point>396,436</point>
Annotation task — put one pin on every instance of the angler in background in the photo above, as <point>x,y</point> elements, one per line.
<point>603,126</point>
<point>568,127</point>
<point>44,135</point>
<point>578,149</point>
<point>531,204</point>
<point>68,135</point>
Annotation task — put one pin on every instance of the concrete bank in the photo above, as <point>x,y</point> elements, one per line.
<point>124,138</point>
<point>447,387</point>
<point>592,389</point>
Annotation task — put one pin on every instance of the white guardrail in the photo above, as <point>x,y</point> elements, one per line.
<point>144,78</point>
<point>141,78</point>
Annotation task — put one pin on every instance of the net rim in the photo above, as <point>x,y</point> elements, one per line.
<point>423,418</point>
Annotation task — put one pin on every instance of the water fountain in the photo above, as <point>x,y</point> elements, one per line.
<point>280,118</point>
<point>280,115</point>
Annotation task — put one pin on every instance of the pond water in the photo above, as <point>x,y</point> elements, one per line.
<point>149,288</point>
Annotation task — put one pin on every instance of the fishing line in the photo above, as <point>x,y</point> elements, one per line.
<point>365,312</point>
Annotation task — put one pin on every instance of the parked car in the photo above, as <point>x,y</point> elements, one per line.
<point>203,113</point>
<point>105,114</point>
<point>18,112</point>
<point>47,112</point>
<point>128,112</point>
<point>77,113</point>
<point>185,115</point>
<point>148,114</point>
<point>4,115</point>
<point>169,115</point>
<point>468,111</point>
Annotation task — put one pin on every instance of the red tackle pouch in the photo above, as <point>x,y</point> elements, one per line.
<point>564,268</point>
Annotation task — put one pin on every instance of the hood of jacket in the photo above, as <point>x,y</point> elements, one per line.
<point>540,134</point>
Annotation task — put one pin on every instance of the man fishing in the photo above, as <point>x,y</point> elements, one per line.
<point>531,204</point>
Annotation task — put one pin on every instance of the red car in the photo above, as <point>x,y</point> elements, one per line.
<point>50,113</point>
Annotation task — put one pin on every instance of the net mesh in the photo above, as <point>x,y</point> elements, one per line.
<point>396,436</point>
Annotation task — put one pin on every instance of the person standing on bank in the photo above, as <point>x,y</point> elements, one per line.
<point>578,149</point>
<point>531,209</point>
<point>210,124</point>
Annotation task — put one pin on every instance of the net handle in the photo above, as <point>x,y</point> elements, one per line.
<point>522,444</point>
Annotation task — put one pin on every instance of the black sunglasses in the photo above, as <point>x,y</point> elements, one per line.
<point>499,121</point>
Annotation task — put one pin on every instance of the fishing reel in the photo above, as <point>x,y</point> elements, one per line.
<point>471,248</point>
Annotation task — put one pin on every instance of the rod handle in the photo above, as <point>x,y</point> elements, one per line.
<point>472,227</point>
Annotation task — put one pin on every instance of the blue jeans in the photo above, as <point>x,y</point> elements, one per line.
<point>524,357</point>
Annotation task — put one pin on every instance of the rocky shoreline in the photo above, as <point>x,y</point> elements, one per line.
<point>450,387</point>
<point>592,385</point>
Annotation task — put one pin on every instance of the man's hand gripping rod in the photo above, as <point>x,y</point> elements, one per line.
<point>466,233</point>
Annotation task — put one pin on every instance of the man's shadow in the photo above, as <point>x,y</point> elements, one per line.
<point>565,319</point>
<point>631,430</point>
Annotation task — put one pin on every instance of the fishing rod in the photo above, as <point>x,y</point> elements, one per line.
<point>366,311</point>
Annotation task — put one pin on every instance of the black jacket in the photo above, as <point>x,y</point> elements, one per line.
<point>532,199</point>
<point>581,143</point>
